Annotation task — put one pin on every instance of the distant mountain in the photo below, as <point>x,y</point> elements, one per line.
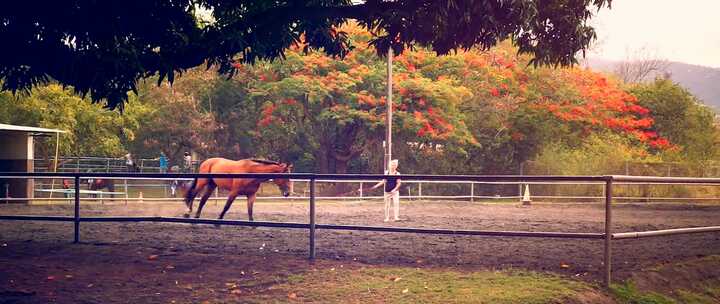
<point>701,81</point>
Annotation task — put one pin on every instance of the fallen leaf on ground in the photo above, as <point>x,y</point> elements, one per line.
<point>90,285</point>
<point>231,285</point>
<point>236,291</point>
<point>406,290</point>
<point>152,257</point>
<point>169,267</point>
<point>564,266</point>
<point>68,276</point>
<point>396,279</point>
<point>50,278</point>
<point>292,295</point>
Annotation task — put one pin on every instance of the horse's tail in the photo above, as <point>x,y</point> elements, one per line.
<point>189,194</point>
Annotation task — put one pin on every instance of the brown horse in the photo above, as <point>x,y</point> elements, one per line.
<point>236,186</point>
<point>97,184</point>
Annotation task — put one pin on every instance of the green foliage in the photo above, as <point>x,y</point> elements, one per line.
<point>599,154</point>
<point>93,131</point>
<point>103,48</point>
<point>627,294</point>
<point>407,285</point>
<point>336,108</point>
<point>690,297</point>
<point>681,118</point>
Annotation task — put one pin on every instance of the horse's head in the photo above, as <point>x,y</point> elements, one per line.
<point>284,184</point>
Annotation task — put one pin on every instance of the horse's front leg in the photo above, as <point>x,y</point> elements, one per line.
<point>250,202</point>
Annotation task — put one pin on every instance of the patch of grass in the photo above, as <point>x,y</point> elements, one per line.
<point>713,289</point>
<point>412,285</point>
<point>689,297</point>
<point>627,294</point>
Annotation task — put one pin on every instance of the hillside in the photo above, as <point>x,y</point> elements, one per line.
<point>701,81</point>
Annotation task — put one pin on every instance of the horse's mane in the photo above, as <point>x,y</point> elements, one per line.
<point>265,161</point>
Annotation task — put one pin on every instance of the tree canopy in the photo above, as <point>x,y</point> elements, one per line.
<point>104,47</point>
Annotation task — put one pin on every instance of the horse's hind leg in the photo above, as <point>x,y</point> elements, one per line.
<point>250,202</point>
<point>192,192</point>
<point>208,191</point>
<point>231,198</point>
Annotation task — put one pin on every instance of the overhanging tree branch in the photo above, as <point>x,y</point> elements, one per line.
<point>104,47</point>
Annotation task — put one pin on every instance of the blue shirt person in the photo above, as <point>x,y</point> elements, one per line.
<point>163,163</point>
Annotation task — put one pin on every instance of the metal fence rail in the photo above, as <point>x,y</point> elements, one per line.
<point>312,226</point>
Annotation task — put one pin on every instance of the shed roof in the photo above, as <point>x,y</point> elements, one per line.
<point>16,128</point>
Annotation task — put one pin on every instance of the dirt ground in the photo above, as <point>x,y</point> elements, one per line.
<point>163,262</point>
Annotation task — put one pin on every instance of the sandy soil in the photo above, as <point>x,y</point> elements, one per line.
<point>163,262</point>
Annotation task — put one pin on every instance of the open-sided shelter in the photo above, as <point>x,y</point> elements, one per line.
<point>17,155</point>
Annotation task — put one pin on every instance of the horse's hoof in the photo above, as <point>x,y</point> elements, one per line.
<point>186,215</point>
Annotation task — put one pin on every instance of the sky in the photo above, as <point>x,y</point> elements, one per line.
<point>685,31</point>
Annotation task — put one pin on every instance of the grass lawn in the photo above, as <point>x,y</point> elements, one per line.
<point>414,285</point>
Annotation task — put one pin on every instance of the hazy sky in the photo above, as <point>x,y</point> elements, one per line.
<point>686,31</point>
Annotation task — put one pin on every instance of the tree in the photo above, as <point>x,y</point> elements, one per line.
<point>680,118</point>
<point>176,119</point>
<point>640,65</point>
<point>337,107</point>
<point>92,130</point>
<point>104,47</point>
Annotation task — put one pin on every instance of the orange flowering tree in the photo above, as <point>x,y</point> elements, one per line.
<point>337,108</point>
<point>517,109</point>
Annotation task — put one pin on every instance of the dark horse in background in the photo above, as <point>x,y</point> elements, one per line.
<point>98,184</point>
<point>236,186</point>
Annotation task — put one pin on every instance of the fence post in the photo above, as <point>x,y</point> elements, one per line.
<point>361,190</point>
<point>312,219</point>
<point>419,190</point>
<point>77,208</point>
<point>472,192</point>
<point>126,191</point>
<point>520,185</point>
<point>608,230</point>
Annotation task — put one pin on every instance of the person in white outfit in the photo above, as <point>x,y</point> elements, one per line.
<point>392,191</point>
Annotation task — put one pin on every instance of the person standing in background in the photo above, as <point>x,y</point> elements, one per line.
<point>392,191</point>
<point>163,162</point>
<point>130,163</point>
<point>187,163</point>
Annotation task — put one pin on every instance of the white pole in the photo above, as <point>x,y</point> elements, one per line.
<point>57,152</point>
<point>388,134</point>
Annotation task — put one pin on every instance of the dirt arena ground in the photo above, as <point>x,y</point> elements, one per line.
<point>135,254</point>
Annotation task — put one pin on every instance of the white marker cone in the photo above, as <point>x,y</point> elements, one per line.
<point>526,196</point>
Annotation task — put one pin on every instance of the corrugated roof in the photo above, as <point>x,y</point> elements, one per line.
<point>5,127</point>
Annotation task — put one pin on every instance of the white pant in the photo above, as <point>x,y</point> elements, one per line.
<point>395,198</point>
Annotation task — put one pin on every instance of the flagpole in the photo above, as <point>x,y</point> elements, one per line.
<point>388,122</point>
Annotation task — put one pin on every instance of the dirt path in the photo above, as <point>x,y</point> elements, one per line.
<point>116,256</point>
